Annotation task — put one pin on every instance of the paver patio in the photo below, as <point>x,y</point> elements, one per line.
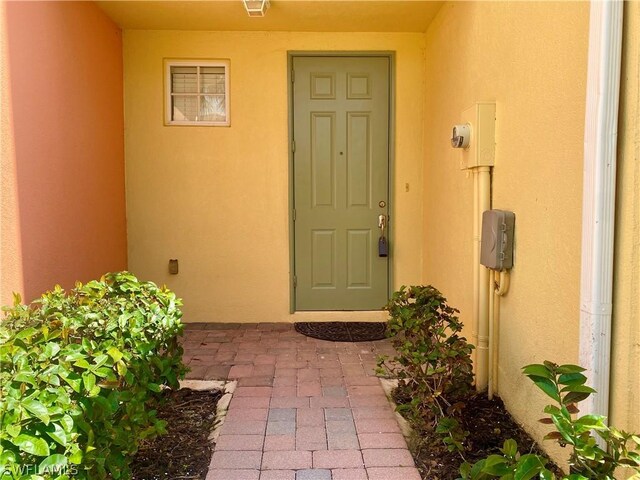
<point>304,409</point>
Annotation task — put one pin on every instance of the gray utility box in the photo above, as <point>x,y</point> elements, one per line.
<point>496,251</point>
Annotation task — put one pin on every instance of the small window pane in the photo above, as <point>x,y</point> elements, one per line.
<point>184,80</point>
<point>184,108</point>
<point>197,93</point>
<point>212,80</point>
<point>212,108</point>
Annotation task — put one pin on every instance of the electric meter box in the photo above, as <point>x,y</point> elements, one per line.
<point>481,150</point>
<point>496,247</point>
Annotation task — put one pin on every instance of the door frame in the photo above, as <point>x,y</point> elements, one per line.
<point>291,54</point>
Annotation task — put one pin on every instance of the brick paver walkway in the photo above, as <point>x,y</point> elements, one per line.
<point>304,409</point>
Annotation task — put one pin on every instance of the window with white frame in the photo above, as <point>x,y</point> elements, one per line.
<point>197,92</point>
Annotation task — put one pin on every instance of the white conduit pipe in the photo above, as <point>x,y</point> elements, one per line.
<point>598,207</point>
<point>482,358</point>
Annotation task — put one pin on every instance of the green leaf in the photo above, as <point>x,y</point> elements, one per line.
<point>553,410</point>
<point>565,429</point>
<point>575,397</point>
<point>547,386</point>
<point>67,423</point>
<point>33,445</point>
<point>546,475</point>
<point>570,369</point>
<point>578,388</point>
<point>572,379</point>
<point>528,467</point>
<point>121,367</point>
<point>26,377</point>
<point>57,433</point>
<point>82,363</point>
<point>75,381</point>
<point>115,354</point>
<point>465,469</point>
<point>51,349</point>
<point>510,448</point>
<point>76,456</point>
<point>591,422</point>
<point>7,458</point>
<point>52,464</point>
<point>26,333</point>
<point>154,387</point>
<point>89,380</point>
<point>496,465</point>
<point>17,299</point>
<point>14,430</point>
<point>537,370</point>
<point>100,360</point>
<point>36,408</point>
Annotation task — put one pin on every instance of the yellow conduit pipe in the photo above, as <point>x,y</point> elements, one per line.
<point>482,356</point>
<point>498,285</point>
<point>476,268</point>
<point>492,321</point>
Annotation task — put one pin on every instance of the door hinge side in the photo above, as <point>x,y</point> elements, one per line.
<point>293,146</point>
<point>294,214</point>
<point>293,76</point>
<point>295,281</point>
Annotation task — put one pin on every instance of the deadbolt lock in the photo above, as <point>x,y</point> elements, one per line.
<point>382,204</point>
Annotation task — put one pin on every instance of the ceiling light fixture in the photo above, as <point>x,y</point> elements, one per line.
<point>256,8</point>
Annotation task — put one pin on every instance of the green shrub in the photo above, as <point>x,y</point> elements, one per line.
<point>565,384</point>
<point>81,373</point>
<point>433,362</point>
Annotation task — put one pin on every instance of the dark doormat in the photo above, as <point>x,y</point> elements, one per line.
<point>343,331</point>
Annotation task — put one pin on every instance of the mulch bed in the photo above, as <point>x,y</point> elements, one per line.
<point>184,452</point>
<point>489,425</point>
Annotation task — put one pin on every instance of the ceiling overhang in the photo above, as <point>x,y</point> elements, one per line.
<point>284,15</point>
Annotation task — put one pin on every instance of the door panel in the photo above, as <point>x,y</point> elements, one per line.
<point>322,159</point>
<point>340,174</point>
<point>323,268</point>
<point>359,258</point>
<point>358,160</point>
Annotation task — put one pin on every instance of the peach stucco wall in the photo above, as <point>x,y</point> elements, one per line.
<point>63,202</point>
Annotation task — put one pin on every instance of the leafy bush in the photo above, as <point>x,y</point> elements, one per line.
<point>433,362</point>
<point>80,374</point>
<point>565,384</point>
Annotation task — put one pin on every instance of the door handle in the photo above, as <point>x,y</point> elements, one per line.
<point>382,224</point>
<point>383,246</point>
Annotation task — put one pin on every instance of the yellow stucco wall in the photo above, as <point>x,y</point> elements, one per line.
<point>216,198</point>
<point>625,378</point>
<point>531,59</point>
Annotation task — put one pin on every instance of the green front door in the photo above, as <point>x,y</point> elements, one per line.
<point>341,181</point>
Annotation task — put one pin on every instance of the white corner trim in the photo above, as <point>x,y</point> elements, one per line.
<point>598,203</point>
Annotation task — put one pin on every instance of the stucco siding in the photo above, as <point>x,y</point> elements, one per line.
<point>625,378</point>
<point>216,198</point>
<point>530,58</point>
<point>63,208</point>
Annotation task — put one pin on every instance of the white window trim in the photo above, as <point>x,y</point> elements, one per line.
<point>168,63</point>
